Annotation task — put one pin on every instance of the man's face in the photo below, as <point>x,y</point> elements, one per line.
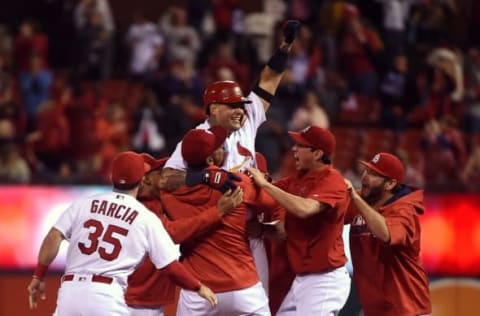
<point>230,116</point>
<point>303,156</point>
<point>151,182</point>
<point>373,185</point>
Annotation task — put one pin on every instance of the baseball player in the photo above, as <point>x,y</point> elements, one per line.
<point>315,199</point>
<point>109,234</point>
<point>149,289</point>
<point>385,241</point>
<point>226,105</point>
<point>221,257</point>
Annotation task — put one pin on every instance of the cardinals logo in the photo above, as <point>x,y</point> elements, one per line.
<point>359,226</point>
<point>244,152</point>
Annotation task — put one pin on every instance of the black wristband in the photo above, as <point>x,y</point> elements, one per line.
<point>278,61</point>
<point>264,94</point>
<point>194,178</point>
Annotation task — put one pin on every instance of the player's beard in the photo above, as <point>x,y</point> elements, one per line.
<point>374,194</point>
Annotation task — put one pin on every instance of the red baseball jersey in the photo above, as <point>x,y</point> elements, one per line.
<point>149,287</point>
<point>389,277</point>
<point>315,244</point>
<point>221,258</point>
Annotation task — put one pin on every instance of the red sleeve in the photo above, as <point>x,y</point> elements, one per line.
<point>181,276</point>
<point>402,226</point>
<point>351,212</point>
<point>184,229</point>
<point>330,192</point>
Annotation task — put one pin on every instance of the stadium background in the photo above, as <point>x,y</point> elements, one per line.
<point>61,148</point>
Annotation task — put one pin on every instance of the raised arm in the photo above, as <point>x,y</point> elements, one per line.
<point>273,71</point>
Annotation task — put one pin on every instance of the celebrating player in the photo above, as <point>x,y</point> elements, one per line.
<point>315,199</point>
<point>385,241</point>
<point>109,234</point>
<point>150,289</point>
<point>221,257</point>
<point>226,106</point>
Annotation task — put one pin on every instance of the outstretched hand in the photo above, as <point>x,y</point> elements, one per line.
<point>290,30</point>
<point>258,177</point>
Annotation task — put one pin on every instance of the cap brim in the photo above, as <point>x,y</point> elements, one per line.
<point>220,135</point>
<point>371,166</point>
<point>297,138</point>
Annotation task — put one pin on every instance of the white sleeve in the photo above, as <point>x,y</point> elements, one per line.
<point>161,249</point>
<point>255,112</point>
<point>176,159</point>
<point>65,222</point>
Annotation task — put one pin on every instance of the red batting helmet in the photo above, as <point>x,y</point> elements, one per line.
<point>224,92</point>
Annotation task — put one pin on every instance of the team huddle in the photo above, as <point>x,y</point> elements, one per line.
<point>192,220</point>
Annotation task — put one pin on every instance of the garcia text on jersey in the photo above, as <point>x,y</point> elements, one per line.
<point>114,210</point>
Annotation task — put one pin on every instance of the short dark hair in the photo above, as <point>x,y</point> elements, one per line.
<point>126,186</point>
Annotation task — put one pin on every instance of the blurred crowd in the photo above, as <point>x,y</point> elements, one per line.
<point>384,75</point>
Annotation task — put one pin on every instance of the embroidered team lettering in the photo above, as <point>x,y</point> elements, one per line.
<point>359,226</point>
<point>115,210</point>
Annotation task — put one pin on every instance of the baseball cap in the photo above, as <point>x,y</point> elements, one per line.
<point>316,137</point>
<point>128,167</point>
<point>154,163</point>
<point>386,165</point>
<point>198,144</point>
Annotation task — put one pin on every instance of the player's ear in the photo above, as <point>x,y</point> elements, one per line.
<point>210,161</point>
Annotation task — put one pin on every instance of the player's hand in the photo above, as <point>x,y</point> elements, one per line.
<point>258,177</point>
<point>229,200</point>
<point>290,30</point>
<point>36,288</point>
<point>207,294</point>
<point>217,179</point>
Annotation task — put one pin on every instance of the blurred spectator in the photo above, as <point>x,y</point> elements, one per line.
<point>224,59</point>
<point>96,31</point>
<point>444,150</point>
<point>30,42</point>
<point>148,121</point>
<point>13,168</point>
<point>183,42</point>
<point>357,50</point>
<point>472,93</point>
<point>35,86</point>
<point>309,113</point>
<point>470,174</point>
<point>146,47</point>
<point>6,45</point>
<point>396,94</point>
<point>51,138</point>
<point>395,14</point>
<point>413,177</point>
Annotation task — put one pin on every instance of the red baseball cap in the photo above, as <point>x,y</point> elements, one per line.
<point>316,137</point>
<point>128,168</point>
<point>386,165</point>
<point>198,144</point>
<point>154,163</point>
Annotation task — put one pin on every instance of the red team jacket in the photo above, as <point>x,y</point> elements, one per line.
<point>221,258</point>
<point>315,244</point>
<point>149,287</point>
<point>389,277</point>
